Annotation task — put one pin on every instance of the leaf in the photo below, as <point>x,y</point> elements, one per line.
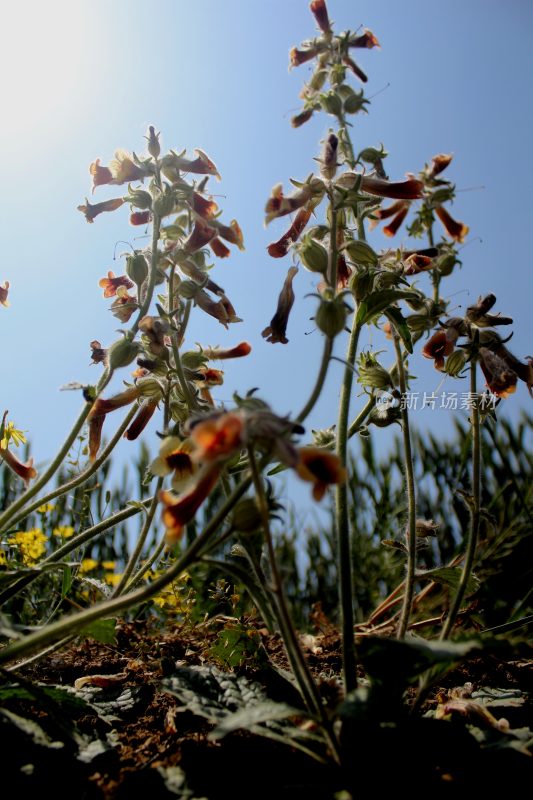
<point>103,630</point>
<point>450,576</point>
<point>401,326</point>
<point>377,302</point>
<point>394,545</point>
<point>249,717</point>
<point>402,661</point>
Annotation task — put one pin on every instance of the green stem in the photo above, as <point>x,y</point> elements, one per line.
<point>136,554</point>
<point>333,250</point>
<point>156,230</point>
<point>76,622</point>
<point>70,546</point>
<point>10,512</point>
<point>176,341</point>
<point>344,554</point>
<point>475,515</point>
<point>83,476</point>
<point>141,572</point>
<point>315,394</point>
<point>411,496</point>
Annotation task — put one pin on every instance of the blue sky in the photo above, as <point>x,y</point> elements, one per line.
<point>82,79</point>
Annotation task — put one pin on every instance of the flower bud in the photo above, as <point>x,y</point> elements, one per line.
<point>371,155</point>
<point>246,516</point>
<point>193,359</point>
<point>331,316</point>
<point>164,204</point>
<point>137,268</point>
<point>455,363</point>
<point>188,289</point>
<point>419,322</point>
<point>140,198</point>
<point>362,283</point>
<point>150,387</point>
<point>328,162</point>
<point>313,255</point>
<point>154,148</point>
<point>355,102</point>
<point>372,374</point>
<point>360,252</point>
<point>331,103</point>
<point>122,353</point>
<point>324,437</point>
<point>318,79</point>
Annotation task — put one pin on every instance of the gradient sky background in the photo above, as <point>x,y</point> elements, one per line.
<point>81,79</point>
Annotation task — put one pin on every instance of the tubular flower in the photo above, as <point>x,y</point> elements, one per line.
<point>218,437</point>
<point>500,379</point>
<point>178,511</point>
<point>275,332</point>
<point>98,412</point>
<point>222,310</point>
<point>175,457</point>
<point>112,283</point>
<point>231,233</point>
<point>101,175</point>
<point>209,377</point>
<point>281,247</point>
<point>439,164</point>
<point>523,370</point>
<point>398,212</point>
<point>278,205</point>
<point>26,471</point>
<point>142,418</point>
<point>216,354</point>
<point>479,316</point>
<point>203,207</point>
<point>456,230</point>
<point>441,344</point>
<point>172,164</point>
<point>140,217</point>
<point>410,189</point>
<point>124,305</point>
<point>298,57</point>
<point>320,468</point>
<point>155,329</point>
<point>366,39</point>
<point>91,210</point>
<point>4,290</point>
<point>201,234</point>
<point>219,248</point>
<point>125,170</point>
<point>416,263</point>
<point>320,12</point>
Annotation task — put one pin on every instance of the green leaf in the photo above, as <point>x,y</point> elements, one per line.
<point>450,576</point>
<point>247,718</point>
<point>103,630</point>
<point>398,320</point>
<point>377,302</point>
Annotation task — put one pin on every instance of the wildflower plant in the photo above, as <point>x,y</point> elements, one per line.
<point>228,453</point>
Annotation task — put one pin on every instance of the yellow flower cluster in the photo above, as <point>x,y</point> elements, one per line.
<point>31,545</point>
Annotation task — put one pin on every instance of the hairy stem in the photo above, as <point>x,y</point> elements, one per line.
<point>321,377</point>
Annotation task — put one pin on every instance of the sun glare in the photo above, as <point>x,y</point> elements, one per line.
<point>44,49</point>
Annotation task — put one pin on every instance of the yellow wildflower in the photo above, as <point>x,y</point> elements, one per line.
<point>112,578</point>
<point>12,434</point>
<point>108,565</point>
<point>44,509</point>
<point>3,558</point>
<point>30,544</point>
<point>64,531</point>
<point>88,564</point>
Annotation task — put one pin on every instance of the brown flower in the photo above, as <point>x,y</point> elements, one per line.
<point>98,353</point>
<point>178,511</point>
<point>222,310</point>
<point>112,283</point>
<point>231,233</point>
<point>102,407</point>
<point>205,208</point>
<point>219,248</point>
<point>101,175</point>
<point>210,377</point>
<point>92,210</point>
<point>501,379</point>
<point>201,234</point>
<point>281,247</point>
<point>298,57</point>
<point>124,305</point>
<point>215,354</point>
<point>142,418</point>
<point>125,170</point>
<point>320,12</point>
<point>140,217</point>
<point>175,456</point>
<point>439,164</point>
<point>278,324</point>
<point>456,230</point>
<point>441,344</point>
<point>173,164</point>
<point>410,189</point>
<point>398,212</point>
<point>155,329</point>
<point>278,205</point>
<point>365,39</point>
<point>4,291</point>
<point>26,471</point>
<point>320,468</point>
<point>416,263</point>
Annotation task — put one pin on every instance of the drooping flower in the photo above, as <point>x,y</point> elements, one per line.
<point>124,305</point>
<point>281,247</point>
<point>98,353</point>
<point>410,189</point>
<point>91,210</point>
<point>112,283</point>
<point>172,164</point>
<point>276,331</point>
<point>205,208</point>
<point>416,263</point>
<point>478,313</point>
<point>102,407</point>
<point>501,379</point>
<point>320,12</point>
<point>278,205</point>
<point>321,468</point>
<point>201,234</point>
<point>219,248</point>
<point>178,511</point>
<point>222,310</point>
<point>125,170</point>
<point>398,211</point>
<point>4,290</point>
<point>140,217</point>
<point>101,175</point>
<point>142,418</point>
<point>441,344</point>
<point>156,330</point>
<point>231,233</point>
<point>456,230</point>
<point>26,470</point>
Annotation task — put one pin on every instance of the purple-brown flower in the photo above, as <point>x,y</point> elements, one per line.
<point>91,210</point>
<point>4,291</point>
<point>278,324</point>
<point>456,230</point>
<point>112,283</point>
<point>281,247</point>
